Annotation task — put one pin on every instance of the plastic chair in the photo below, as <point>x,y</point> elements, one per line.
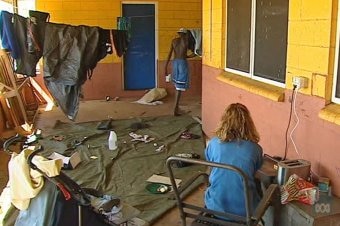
<point>203,216</point>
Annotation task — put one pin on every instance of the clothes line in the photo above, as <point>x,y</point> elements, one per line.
<point>28,42</point>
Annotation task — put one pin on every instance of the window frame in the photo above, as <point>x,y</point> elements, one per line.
<point>252,50</point>
<point>335,99</point>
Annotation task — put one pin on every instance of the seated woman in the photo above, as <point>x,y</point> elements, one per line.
<point>235,143</point>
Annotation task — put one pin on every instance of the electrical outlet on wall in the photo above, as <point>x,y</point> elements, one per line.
<point>300,82</point>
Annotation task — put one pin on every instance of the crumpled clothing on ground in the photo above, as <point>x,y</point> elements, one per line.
<point>113,214</point>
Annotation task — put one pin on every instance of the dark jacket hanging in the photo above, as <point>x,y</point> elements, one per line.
<point>27,62</point>
<point>70,52</point>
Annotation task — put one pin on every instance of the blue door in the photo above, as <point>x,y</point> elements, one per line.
<point>139,60</point>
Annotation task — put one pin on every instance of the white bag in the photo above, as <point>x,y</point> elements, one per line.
<point>153,95</point>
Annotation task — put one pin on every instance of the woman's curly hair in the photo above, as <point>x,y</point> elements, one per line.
<point>237,124</point>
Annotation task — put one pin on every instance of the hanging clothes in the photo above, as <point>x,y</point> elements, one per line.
<point>34,40</point>
<point>121,42</point>
<point>27,62</point>
<point>70,55</point>
<point>106,44</point>
<point>7,35</point>
<point>70,52</point>
<point>197,36</point>
<point>122,35</point>
<point>124,23</point>
<point>15,36</point>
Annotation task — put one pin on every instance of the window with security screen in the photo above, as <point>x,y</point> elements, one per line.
<point>336,79</point>
<point>336,93</point>
<point>257,39</point>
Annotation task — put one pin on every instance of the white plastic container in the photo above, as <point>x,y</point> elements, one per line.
<point>168,78</point>
<point>112,140</point>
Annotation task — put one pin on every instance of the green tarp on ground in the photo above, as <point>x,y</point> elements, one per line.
<point>124,172</point>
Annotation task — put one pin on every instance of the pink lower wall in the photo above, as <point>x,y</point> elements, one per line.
<point>107,80</point>
<point>317,140</point>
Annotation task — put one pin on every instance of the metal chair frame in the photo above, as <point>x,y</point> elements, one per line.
<point>186,209</point>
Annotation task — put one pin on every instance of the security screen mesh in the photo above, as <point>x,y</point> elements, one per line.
<point>238,34</point>
<point>271,39</point>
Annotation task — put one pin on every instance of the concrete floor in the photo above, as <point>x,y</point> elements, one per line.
<point>121,109</point>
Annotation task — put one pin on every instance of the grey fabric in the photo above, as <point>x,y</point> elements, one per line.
<point>197,35</point>
<point>70,53</point>
<point>124,172</point>
<point>26,63</point>
<point>39,212</point>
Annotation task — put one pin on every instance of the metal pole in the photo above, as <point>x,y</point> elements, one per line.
<point>79,215</point>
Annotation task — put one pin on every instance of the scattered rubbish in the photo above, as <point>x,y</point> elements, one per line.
<point>31,139</point>
<point>58,137</point>
<point>107,98</point>
<point>138,137</point>
<point>160,148</point>
<point>75,143</point>
<point>93,157</point>
<point>36,135</point>
<point>92,146</point>
<point>157,188</point>
<point>180,164</point>
<point>135,135</point>
<point>69,162</point>
<point>189,136</point>
<point>162,180</point>
<point>116,99</point>
<point>105,124</point>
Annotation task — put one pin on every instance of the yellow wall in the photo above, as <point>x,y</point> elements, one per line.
<point>213,33</point>
<point>172,15</point>
<point>311,41</point>
<point>310,50</point>
<point>310,53</point>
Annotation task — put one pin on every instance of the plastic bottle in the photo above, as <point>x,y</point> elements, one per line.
<point>112,140</point>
